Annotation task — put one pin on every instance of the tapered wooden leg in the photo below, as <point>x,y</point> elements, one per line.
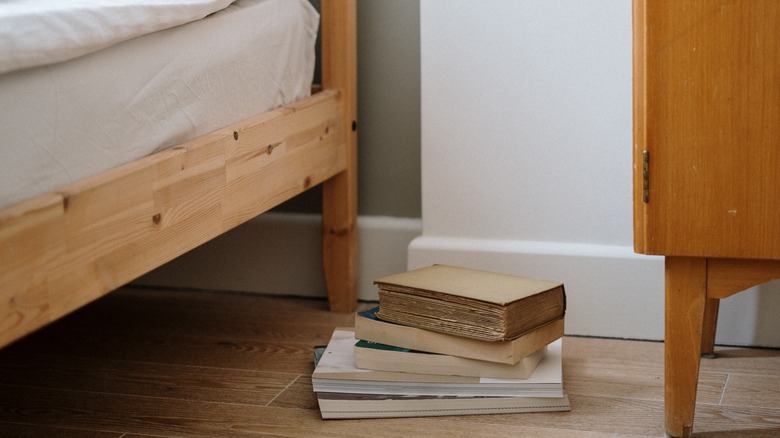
<point>709,328</point>
<point>686,293</point>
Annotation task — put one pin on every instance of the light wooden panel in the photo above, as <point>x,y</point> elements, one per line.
<point>707,105</point>
<point>639,122</point>
<point>725,277</point>
<point>63,250</point>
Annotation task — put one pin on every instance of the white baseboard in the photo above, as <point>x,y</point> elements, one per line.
<point>611,291</point>
<point>281,253</point>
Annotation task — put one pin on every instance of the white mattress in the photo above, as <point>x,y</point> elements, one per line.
<point>62,121</point>
<point>40,32</point>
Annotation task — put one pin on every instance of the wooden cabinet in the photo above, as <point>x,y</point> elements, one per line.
<point>706,166</point>
<point>707,111</point>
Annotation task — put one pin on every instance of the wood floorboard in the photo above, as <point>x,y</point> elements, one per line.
<point>226,385</point>
<point>180,350</point>
<point>759,361</point>
<point>632,379</point>
<point>143,363</point>
<point>752,390</point>
<point>34,431</point>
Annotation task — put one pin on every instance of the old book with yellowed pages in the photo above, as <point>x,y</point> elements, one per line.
<point>471,303</point>
<point>370,328</point>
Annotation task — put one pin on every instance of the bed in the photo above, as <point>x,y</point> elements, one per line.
<point>172,164</point>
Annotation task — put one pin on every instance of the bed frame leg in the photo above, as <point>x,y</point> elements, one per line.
<point>339,245</point>
<point>339,210</point>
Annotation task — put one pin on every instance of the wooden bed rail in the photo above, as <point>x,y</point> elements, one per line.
<point>62,250</point>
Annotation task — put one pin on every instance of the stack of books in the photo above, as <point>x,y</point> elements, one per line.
<point>447,340</point>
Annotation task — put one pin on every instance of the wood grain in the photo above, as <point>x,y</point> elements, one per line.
<point>62,250</point>
<point>710,325</point>
<point>98,234</point>
<point>706,106</point>
<point>726,277</point>
<point>340,193</point>
<point>685,298</point>
<point>165,363</point>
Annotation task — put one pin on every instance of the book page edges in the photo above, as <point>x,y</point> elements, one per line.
<point>423,340</point>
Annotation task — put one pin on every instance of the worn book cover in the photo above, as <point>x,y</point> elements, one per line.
<point>381,357</point>
<point>370,328</point>
<point>468,302</point>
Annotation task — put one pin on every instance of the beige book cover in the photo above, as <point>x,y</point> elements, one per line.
<point>370,328</point>
<point>469,284</point>
<point>381,357</point>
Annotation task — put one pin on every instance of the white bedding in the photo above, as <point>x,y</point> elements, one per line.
<point>65,121</point>
<point>41,32</point>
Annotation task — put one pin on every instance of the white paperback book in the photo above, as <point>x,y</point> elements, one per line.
<point>337,372</point>
<point>347,406</point>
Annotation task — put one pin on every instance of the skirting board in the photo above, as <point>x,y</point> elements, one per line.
<point>610,290</point>
<point>281,253</point>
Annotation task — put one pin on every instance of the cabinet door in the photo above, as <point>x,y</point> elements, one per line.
<point>707,111</point>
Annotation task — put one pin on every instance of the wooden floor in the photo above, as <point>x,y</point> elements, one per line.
<point>150,363</point>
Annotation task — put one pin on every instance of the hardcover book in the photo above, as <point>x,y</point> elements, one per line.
<point>381,357</point>
<point>369,328</point>
<point>468,302</point>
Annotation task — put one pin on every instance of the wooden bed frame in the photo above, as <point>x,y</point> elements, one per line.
<point>62,250</point>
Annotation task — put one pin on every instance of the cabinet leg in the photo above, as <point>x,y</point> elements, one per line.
<point>709,328</point>
<point>686,294</point>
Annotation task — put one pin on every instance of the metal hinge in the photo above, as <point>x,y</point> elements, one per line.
<point>645,176</point>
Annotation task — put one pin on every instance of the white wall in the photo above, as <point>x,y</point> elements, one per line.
<point>281,253</point>
<point>526,160</point>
